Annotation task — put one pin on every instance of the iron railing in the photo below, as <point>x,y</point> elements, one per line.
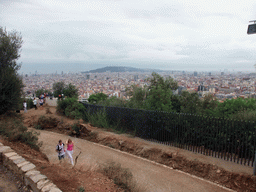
<point>218,137</point>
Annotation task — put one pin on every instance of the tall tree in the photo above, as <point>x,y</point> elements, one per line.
<point>160,93</point>
<point>58,88</point>
<point>138,96</point>
<point>97,97</point>
<point>70,91</point>
<point>165,83</point>
<point>190,103</point>
<point>10,82</point>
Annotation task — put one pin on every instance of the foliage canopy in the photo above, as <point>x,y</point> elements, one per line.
<point>60,88</point>
<point>10,82</point>
<point>96,98</point>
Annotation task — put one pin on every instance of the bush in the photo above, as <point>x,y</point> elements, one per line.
<point>81,189</point>
<point>75,111</point>
<point>76,130</point>
<point>30,104</point>
<point>46,122</point>
<point>246,115</point>
<point>15,131</point>
<point>63,104</point>
<point>121,176</point>
<point>98,119</point>
<point>93,135</point>
<point>71,108</point>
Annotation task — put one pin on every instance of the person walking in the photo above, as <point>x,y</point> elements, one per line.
<point>60,149</point>
<point>70,149</point>
<point>35,103</point>
<point>41,103</point>
<point>25,106</point>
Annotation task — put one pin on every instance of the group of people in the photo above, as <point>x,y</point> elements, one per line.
<point>63,151</point>
<point>41,102</point>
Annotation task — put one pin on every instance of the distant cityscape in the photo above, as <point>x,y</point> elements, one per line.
<point>223,85</point>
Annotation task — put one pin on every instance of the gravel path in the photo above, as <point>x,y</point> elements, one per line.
<point>150,176</point>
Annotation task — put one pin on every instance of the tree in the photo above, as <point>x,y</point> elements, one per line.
<point>39,92</point>
<point>96,98</point>
<point>209,105</point>
<point>70,91</point>
<point>113,101</point>
<point>157,96</point>
<point>138,96</point>
<point>190,103</point>
<point>10,82</point>
<point>157,80</point>
<point>160,93</point>
<point>58,88</point>
<point>231,107</point>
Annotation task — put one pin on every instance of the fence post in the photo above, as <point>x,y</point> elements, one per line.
<point>254,165</point>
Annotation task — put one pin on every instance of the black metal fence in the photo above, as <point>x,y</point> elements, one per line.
<point>222,138</point>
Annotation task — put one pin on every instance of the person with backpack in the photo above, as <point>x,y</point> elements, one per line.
<point>60,149</point>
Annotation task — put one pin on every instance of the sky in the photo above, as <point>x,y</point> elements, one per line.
<point>80,35</point>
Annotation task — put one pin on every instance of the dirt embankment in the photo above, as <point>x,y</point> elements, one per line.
<point>171,157</point>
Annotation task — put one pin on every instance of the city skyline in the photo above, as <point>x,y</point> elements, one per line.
<point>168,35</point>
<point>221,85</point>
<point>60,71</point>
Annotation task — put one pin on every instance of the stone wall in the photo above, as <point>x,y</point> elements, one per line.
<point>26,171</point>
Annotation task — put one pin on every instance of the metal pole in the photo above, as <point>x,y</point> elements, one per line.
<point>254,165</point>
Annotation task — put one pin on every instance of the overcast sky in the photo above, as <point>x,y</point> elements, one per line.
<point>79,35</point>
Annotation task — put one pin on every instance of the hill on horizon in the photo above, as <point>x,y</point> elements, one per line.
<point>121,69</point>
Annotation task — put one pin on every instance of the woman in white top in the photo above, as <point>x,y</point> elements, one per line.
<point>25,106</point>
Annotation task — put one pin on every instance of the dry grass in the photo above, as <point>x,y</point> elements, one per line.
<point>121,176</point>
<point>88,167</point>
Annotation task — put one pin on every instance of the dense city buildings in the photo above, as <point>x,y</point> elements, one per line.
<point>221,85</point>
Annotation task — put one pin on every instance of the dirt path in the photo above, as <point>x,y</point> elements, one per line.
<point>149,176</point>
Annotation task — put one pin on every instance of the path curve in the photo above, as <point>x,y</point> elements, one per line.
<point>151,176</point>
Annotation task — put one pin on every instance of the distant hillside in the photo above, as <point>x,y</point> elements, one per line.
<point>120,69</point>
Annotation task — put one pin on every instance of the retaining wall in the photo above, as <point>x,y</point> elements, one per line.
<point>26,171</point>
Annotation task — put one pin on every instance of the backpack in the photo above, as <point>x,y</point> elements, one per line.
<point>58,147</point>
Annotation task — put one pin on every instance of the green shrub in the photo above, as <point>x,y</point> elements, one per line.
<point>30,104</point>
<point>37,126</point>
<point>76,129</point>
<point>246,115</point>
<point>98,119</point>
<point>81,189</point>
<point>71,108</point>
<point>101,120</point>
<point>15,131</point>
<point>75,111</point>
<point>63,104</point>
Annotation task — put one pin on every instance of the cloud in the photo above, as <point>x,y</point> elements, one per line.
<point>163,33</point>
